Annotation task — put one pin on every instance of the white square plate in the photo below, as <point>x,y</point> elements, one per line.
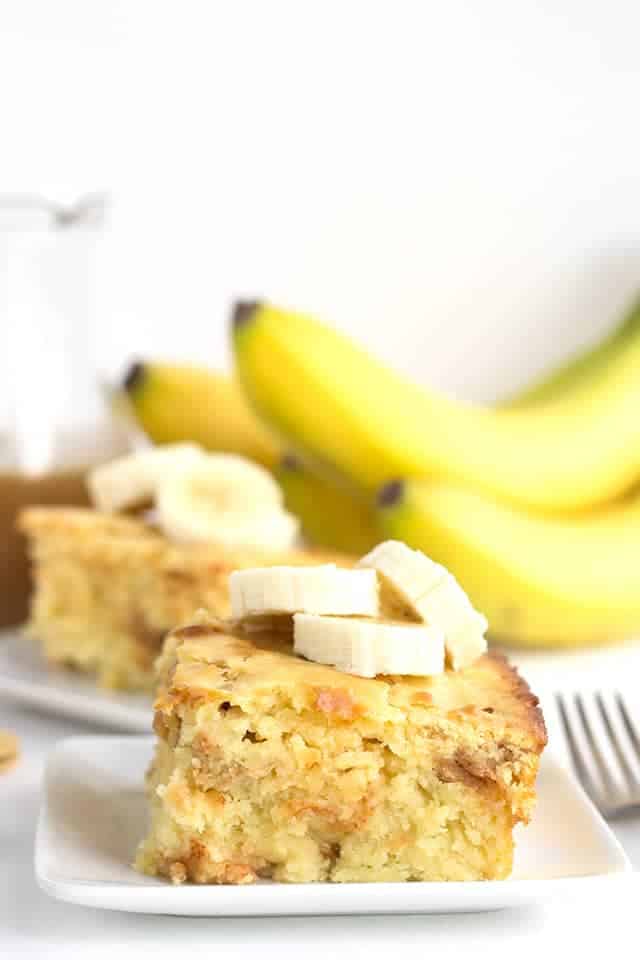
<point>25,676</point>
<point>93,816</point>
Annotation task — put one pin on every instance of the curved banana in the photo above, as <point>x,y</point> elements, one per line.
<point>178,402</point>
<point>340,406</point>
<point>330,516</point>
<point>175,402</point>
<point>540,581</point>
<point>574,381</point>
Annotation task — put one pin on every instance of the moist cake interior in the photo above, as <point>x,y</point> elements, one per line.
<point>268,765</point>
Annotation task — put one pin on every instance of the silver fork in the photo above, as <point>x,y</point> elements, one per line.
<point>612,799</point>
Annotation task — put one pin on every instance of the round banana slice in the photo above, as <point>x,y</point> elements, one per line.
<point>416,587</point>
<point>225,499</point>
<point>132,481</point>
<point>270,591</point>
<point>410,574</point>
<point>369,647</point>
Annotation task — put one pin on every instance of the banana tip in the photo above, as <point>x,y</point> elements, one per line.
<point>243,311</point>
<point>133,376</point>
<point>391,493</point>
<point>290,462</point>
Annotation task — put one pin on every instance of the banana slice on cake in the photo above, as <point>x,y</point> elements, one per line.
<point>228,500</point>
<point>219,498</point>
<point>369,647</point>
<point>132,481</point>
<point>326,589</point>
<point>414,585</point>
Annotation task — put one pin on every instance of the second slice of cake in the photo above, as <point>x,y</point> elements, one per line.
<point>108,588</point>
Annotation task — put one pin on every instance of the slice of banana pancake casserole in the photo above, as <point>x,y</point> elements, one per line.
<point>328,734</point>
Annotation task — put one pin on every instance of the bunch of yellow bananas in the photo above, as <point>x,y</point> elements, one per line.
<point>531,505</point>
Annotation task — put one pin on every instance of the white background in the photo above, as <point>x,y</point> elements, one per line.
<point>456,183</point>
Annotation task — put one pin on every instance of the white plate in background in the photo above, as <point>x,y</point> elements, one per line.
<point>94,814</point>
<point>26,677</point>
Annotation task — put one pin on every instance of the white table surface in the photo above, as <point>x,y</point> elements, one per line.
<point>33,925</point>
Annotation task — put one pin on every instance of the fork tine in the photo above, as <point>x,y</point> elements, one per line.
<point>603,770</point>
<point>629,775</point>
<point>628,725</point>
<point>582,771</point>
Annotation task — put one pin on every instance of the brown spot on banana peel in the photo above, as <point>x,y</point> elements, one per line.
<point>391,493</point>
<point>134,376</point>
<point>243,313</point>
<point>290,462</point>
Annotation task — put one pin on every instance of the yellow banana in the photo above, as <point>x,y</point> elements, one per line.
<point>573,382</point>
<point>177,402</point>
<point>330,517</point>
<point>540,581</point>
<point>338,405</point>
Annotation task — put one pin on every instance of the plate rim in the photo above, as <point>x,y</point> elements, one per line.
<point>93,705</point>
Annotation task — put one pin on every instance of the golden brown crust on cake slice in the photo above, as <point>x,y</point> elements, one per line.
<point>201,657</point>
<point>532,716</point>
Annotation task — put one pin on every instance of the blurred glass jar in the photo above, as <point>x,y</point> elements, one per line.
<point>54,422</point>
